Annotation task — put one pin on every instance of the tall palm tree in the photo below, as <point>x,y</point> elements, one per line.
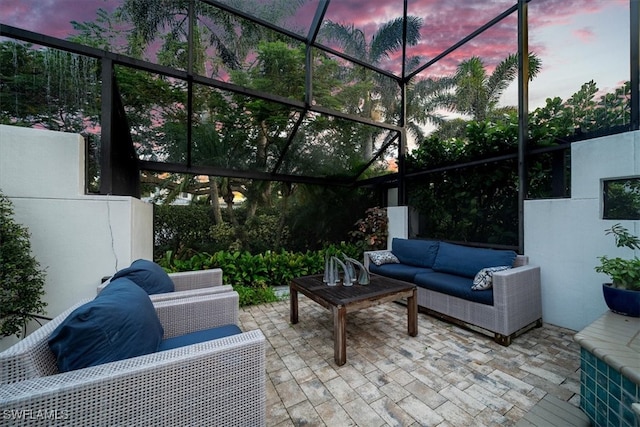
<point>478,93</point>
<point>379,95</point>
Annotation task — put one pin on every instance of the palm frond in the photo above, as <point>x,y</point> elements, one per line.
<point>351,39</point>
<point>389,37</point>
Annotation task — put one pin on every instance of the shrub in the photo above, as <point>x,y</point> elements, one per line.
<point>21,278</point>
<point>254,276</point>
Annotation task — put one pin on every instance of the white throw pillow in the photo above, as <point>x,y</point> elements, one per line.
<point>383,257</point>
<point>484,278</point>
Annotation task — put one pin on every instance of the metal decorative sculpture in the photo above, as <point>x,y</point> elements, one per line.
<point>331,276</point>
<point>363,276</point>
<point>346,278</point>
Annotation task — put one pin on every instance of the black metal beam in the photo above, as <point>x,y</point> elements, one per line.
<point>106,125</point>
<point>236,173</point>
<point>523,114</point>
<point>634,45</point>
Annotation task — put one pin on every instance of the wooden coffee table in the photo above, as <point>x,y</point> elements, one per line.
<point>342,299</point>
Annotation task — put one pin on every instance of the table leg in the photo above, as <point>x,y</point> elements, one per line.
<point>412,314</point>
<point>340,334</point>
<point>293,305</point>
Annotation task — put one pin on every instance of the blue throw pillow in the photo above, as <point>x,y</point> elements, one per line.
<point>420,253</point>
<point>148,275</point>
<point>467,261</point>
<point>118,324</point>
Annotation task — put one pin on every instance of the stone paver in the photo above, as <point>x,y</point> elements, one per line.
<point>446,376</point>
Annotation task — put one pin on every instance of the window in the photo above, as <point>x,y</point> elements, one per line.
<point>621,198</point>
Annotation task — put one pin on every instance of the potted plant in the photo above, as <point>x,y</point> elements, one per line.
<point>622,295</point>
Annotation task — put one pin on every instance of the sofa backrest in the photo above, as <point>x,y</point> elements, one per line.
<point>416,252</point>
<point>468,261</point>
<point>452,258</point>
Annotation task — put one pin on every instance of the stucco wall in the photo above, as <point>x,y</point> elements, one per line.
<point>565,236</point>
<point>78,238</point>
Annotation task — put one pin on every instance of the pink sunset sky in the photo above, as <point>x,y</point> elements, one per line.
<point>577,40</point>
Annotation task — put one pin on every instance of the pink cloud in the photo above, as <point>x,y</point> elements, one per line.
<point>584,34</point>
<point>51,17</point>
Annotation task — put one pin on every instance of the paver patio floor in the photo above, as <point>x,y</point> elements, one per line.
<point>446,376</point>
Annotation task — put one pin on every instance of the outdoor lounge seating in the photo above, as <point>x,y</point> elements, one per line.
<point>507,298</point>
<point>212,382</point>
<point>186,283</point>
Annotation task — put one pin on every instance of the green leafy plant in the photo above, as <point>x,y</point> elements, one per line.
<point>21,278</point>
<point>255,276</point>
<point>372,230</point>
<point>624,273</point>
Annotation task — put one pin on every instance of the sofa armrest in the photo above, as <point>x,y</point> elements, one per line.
<point>218,382</point>
<point>196,279</point>
<point>517,297</point>
<point>185,315</point>
<point>367,260</point>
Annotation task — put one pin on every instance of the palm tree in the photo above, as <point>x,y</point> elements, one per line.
<point>213,28</point>
<point>378,95</point>
<point>478,93</point>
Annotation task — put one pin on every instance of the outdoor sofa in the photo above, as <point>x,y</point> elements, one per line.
<point>216,380</point>
<point>506,303</point>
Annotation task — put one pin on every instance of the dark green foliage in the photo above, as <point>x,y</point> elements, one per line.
<point>325,214</point>
<point>254,275</point>
<point>622,199</point>
<point>21,278</point>
<point>479,202</point>
<point>474,204</point>
<point>179,228</point>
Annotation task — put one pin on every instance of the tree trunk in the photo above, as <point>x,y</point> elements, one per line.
<point>214,195</point>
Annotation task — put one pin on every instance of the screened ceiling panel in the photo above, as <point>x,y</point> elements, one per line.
<point>228,87</point>
<point>446,23</point>
<point>326,146</point>
<point>254,139</point>
<point>295,16</point>
<point>377,42</point>
<point>353,89</point>
<point>156,114</point>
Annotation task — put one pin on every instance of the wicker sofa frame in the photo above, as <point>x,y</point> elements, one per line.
<point>517,303</point>
<point>213,383</point>
<point>189,284</point>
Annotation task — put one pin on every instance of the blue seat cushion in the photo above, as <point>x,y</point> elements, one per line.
<point>421,253</point>
<point>453,285</point>
<point>148,275</point>
<point>398,271</point>
<point>199,336</point>
<point>119,323</point>
<point>466,261</point>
